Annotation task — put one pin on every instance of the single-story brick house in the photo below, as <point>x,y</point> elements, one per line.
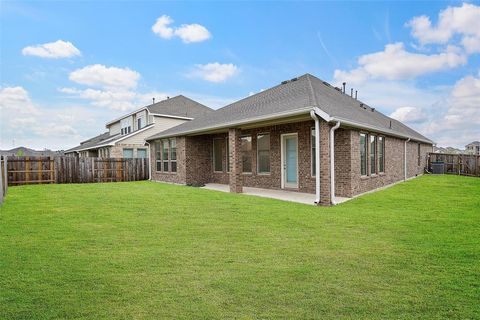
<point>302,135</point>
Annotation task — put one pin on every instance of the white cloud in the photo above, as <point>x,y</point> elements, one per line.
<point>54,50</point>
<point>395,63</point>
<point>409,114</point>
<point>98,75</point>
<point>214,72</point>
<point>187,32</point>
<point>15,100</point>
<point>463,20</point>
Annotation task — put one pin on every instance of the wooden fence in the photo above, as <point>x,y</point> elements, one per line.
<point>3,178</point>
<point>40,170</point>
<point>463,164</point>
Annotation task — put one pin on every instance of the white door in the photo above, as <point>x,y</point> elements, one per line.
<point>289,160</point>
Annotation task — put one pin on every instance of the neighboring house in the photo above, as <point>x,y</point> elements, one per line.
<point>449,150</point>
<point>302,135</point>
<point>126,135</point>
<point>473,148</point>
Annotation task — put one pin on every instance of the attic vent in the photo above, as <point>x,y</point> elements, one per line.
<point>285,82</point>
<point>338,89</point>
<point>294,79</point>
<point>327,84</point>
<point>373,109</point>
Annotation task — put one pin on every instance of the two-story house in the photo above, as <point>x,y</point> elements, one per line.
<point>126,135</point>
<point>473,148</point>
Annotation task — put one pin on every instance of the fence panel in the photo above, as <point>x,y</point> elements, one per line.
<point>462,164</point>
<point>29,170</point>
<point>3,178</point>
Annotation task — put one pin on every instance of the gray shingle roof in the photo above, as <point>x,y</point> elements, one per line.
<point>179,106</point>
<point>93,142</point>
<point>299,94</point>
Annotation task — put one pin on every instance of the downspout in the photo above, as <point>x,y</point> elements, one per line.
<point>317,156</point>
<point>332,162</point>
<point>149,162</point>
<point>405,160</point>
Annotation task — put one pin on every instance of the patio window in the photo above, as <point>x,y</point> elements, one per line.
<point>158,156</point>
<point>373,163</point>
<point>217,155</point>
<point>363,154</point>
<point>165,155</point>
<point>246,149</point>
<point>128,153</point>
<point>314,152</point>
<point>381,154</point>
<point>263,153</point>
<point>173,155</point>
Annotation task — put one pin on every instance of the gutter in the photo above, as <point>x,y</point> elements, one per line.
<point>317,156</point>
<point>405,160</point>
<point>332,162</point>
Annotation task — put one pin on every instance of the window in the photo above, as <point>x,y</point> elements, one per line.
<point>173,155</point>
<point>381,154</point>
<point>227,143</point>
<point>418,153</point>
<point>128,153</point>
<point>141,153</point>
<point>314,152</point>
<point>246,149</point>
<point>139,123</point>
<point>217,155</point>
<point>165,154</point>
<point>373,145</point>
<point>263,153</point>
<point>158,156</point>
<point>363,154</point>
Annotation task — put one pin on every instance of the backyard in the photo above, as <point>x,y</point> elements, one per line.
<point>151,250</point>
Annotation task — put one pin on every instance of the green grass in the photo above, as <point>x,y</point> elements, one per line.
<point>145,250</point>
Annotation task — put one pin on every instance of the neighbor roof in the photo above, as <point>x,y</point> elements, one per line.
<point>299,95</point>
<point>92,142</point>
<point>179,106</point>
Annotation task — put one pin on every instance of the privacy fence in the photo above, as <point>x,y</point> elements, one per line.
<point>462,164</point>
<point>3,178</point>
<point>40,170</point>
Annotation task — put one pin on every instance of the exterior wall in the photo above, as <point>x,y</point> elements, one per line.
<point>172,177</point>
<point>348,180</point>
<point>117,150</point>
<point>114,128</point>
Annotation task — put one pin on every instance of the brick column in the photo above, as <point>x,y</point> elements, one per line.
<point>324,163</point>
<point>236,178</point>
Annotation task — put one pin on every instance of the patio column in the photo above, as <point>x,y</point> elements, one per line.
<point>236,179</point>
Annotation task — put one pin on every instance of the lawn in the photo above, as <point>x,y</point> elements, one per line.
<point>143,250</point>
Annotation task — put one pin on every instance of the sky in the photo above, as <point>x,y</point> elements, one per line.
<point>67,68</point>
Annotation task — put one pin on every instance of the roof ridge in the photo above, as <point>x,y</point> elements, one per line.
<point>312,91</point>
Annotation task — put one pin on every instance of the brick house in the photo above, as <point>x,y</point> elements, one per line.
<point>126,135</point>
<point>303,135</point>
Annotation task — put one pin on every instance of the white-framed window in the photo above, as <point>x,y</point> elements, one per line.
<point>141,153</point>
<point>418,154</point>
<point>126,125</point>
<point>217,155</point>
<point>127,152</point>
<point>363,154</point>
<point>246,148</point>
<point>373,149</point>
<point>165,155</point>
<point>313,151</point>
<point>263,153</point>
<point>381,154</point>
<point>158,156</point>
<point>173,155</point>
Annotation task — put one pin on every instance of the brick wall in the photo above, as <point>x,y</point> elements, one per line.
<point>180,175</point>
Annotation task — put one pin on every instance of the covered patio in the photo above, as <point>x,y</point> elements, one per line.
<point>292,196</point>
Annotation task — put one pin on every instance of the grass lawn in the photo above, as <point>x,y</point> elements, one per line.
<point>148,250</point>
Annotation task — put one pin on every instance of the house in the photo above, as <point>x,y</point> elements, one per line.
<point>473,148</point>
<point>302,135</point>
<point>125,136</point>
<point>27,152</point>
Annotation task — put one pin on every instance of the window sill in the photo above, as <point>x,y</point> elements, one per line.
<point>364,177</point>
<point>264,174</point>
<point>247,173</point>
<point>218,172</point>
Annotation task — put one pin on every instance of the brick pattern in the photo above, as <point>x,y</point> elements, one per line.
<point>236,179</point>
<point>173,177</point>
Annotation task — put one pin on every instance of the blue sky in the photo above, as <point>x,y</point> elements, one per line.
<point>69,67</point>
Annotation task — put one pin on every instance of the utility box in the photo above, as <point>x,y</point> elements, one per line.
<point>438,167</point>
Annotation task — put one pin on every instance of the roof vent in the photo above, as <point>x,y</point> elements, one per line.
<point>285,82</point>
<point>327,84</point>
<point>373,109</point>
<point>294,79</point>
<point>153,99</point>
<point>338,89</point>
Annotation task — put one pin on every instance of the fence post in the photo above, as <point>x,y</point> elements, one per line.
<point>1,180</point>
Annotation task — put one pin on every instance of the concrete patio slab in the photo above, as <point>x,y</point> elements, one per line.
<point>299,197</point>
